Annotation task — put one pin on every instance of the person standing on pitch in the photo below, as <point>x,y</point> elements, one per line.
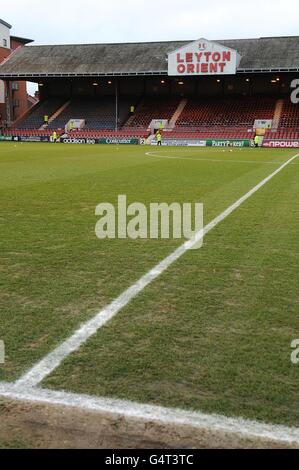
<point>159,138</point>
<point>54,137</point>
<point>256,141</point>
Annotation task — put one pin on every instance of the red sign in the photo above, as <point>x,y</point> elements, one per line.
<point>202,62</point>
<point>203,57</point>
<point>282,144</point>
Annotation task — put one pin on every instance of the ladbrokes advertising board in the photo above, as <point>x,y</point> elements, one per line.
<point>203,57</point>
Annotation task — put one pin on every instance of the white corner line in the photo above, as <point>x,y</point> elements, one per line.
<point>243,428</point>
<point>50,362</point>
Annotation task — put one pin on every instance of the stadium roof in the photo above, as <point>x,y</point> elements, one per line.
<point>21,40</point>
<point>5,24</point>
<point>150,58</point>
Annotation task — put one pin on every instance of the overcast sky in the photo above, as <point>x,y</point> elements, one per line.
<point>96,21</point>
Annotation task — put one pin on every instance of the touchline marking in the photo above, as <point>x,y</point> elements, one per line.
<point>152,154</point>
<point>50,362</point>
<point>242,428</point>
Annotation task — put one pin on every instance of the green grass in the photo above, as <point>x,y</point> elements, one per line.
<point>212,333</point>
<point>13,444</point>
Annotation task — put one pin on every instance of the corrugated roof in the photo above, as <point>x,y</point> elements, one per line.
<point>141,58</point>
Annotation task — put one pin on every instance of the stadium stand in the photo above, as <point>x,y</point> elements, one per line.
<point>99,113</point>
<point>134,133</point>
<point>211,132</point>
<point>223,107</point>
<point>89,133</point>
<point>288,126</point>
<point>226,112</point>
<point>153,108</point>
<point>224,118</point>
<point>290,134</point>
<point>290,116</point>
<point>28,132</point>
<point>35,119</point>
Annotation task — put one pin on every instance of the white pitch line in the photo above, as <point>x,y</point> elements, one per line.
<point>152,154</point>
<point>242,428</point>
<point>50,362</point>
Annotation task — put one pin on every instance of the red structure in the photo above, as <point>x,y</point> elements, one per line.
<point>13,96</point>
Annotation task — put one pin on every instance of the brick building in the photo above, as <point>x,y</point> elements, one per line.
<point>17,90</point>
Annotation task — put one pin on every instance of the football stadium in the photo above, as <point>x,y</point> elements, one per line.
<point>144,340</point>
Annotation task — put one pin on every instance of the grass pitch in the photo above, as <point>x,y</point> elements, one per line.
<point>213,333</point>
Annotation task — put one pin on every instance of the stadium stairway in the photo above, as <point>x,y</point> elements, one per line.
<point>129,121</point>
<point>277,114</point>
<point>289,116</point>
<point>25,115</point>
<point>177,113</point>
<point>226,112</point>
<point>98,113</point>
<point>151,108</point>
<point>57,113</point>
<point>35,118</point>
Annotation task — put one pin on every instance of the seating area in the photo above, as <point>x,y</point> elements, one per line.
<point>226,112</point>
<point>99,113</point>
<point>222,118</point>
<point>35,119</point>
<point>210,132</point>
<point>28,132</point>
<point>283,134</point>
<point>153,108</point>
<point>290,115</point>
<point>93,134</point>
<point>97,134</point>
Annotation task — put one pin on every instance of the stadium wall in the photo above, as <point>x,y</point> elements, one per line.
<point>17,89</point>
<point>4,52</point>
